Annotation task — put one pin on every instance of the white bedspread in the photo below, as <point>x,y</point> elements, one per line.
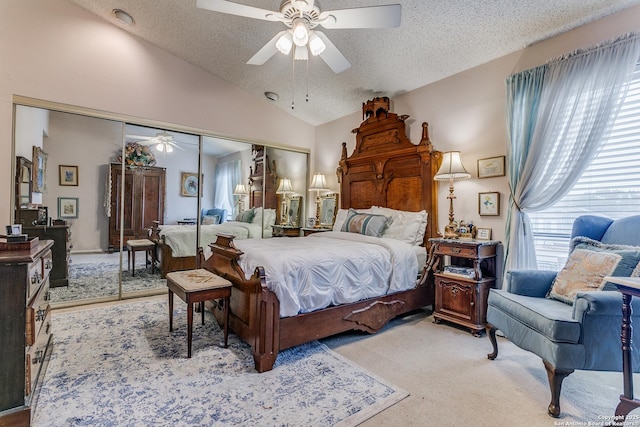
<point>182,238</point>
<point>329,268</point>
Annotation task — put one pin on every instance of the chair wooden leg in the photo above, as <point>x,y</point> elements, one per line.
<point>556,376</point>
<point>491,333</point>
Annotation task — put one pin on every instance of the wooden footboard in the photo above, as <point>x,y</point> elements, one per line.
<point>255,311</point>
<point>168,262</point>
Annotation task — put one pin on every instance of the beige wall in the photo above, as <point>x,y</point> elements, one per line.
<point>55,51</point>
<point>466,112</point>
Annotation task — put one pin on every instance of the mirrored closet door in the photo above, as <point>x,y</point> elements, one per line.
<point>127,202</point>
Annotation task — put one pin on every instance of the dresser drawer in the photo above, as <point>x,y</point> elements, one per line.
<point>36,356</point>
<point>35,278</point>
<point>37,314</point>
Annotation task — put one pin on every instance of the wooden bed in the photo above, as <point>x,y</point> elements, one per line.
<point>258,185</point>
<point>385,169</point>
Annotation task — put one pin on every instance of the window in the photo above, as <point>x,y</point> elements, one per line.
<point>610,186</point>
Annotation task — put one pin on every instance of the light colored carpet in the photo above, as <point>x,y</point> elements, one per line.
<point>452,383</point>
<point>118,365</point>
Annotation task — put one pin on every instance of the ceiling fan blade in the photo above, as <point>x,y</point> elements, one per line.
<point>231,8</point>
<point>139,137</point>
<point>387,16</point>
<point>332,56</point>
<point>267,51</point>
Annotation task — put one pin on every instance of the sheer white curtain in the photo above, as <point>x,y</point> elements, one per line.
<point>227,177</point>
<point>557,115</point>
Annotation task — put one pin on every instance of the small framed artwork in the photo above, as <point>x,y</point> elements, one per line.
<point>68,175</point>
<point>67,207</point>
<point>14,229</point>
<point>189,184</point>
<point>483,234</point>
<point>492,166</point>
<point>489,203</point>
<point>39,171</point>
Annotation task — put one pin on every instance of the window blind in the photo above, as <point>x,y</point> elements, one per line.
<point>610,186</point>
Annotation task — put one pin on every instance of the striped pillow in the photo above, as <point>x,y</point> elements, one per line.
<point>371,225</point>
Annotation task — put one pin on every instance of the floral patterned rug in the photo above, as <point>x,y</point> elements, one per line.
<point>94,280</point>
<point>120,366</point>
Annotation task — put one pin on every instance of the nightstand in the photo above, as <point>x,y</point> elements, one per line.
<point>464,271</point>
<point>285,231</point>
<point>306,231</point>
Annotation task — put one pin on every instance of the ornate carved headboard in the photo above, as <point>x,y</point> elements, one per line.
<point>386,169</point>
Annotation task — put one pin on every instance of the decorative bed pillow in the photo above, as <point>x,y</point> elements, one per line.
<point>246,216</point>
<point>590,261</point>
<point>210,219</point>
<point>269,217</point>
<point>341,216</point>
<point>405,226</point>
<point>363,223</point>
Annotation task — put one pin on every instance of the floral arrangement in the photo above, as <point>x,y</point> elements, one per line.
<point>137,155</point>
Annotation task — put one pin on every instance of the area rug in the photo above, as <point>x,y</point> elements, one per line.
<point>120,366</point>
<point>96,280</point>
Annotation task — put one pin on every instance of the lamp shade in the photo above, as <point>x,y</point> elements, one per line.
<point>451,168</point>
<point>319,183</point>
<point>240,190</point>
<point>284,187</point>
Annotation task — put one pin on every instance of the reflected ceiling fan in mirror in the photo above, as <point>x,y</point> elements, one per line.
<point>163,141</point>
<point>301,18</point>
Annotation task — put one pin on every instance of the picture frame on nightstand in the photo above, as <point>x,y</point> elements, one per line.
<point>483,233</point>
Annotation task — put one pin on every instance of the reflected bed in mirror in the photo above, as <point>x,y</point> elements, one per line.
<point>328,209</point>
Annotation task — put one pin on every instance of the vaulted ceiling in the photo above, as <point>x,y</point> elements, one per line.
<point>435,39</point>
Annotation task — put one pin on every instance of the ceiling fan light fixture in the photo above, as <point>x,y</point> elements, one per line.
<point>300,31</point>
<point>285,43</point>
<point>169,148</point>
<point>301,53</point>
<point>316,45</point>
<point>160,147</point>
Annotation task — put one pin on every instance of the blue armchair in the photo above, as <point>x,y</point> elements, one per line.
<point>584,335</point>
<point>213,216</point>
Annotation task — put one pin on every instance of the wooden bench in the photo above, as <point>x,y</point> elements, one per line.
<point>140,245</point>
<point>197,286</point>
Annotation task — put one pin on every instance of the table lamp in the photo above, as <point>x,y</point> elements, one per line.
<point>285,189</point>
<point>240,191</point>
<point>451,170</point>
<point>318,184</point>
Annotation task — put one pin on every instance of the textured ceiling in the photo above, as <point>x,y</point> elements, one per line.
<point>436,39</point>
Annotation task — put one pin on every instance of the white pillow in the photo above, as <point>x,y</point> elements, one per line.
<point>341,216</point>
<point>269,217</point>
<point>406,226</point>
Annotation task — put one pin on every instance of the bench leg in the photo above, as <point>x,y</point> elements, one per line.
<point>170,310</point>
<point>189,327</point>
<point>226,322</point>
<point>133,265</point>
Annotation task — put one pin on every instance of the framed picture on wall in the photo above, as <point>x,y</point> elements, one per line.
<point>489,203</point>
<point>67,207</point>
<point>189,184</point>
<point>68,175</point>
<point>492,166</point>
<point>39,170</point>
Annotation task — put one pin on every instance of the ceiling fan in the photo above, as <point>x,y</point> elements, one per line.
<point>302,17</point>
<point>163,141</point>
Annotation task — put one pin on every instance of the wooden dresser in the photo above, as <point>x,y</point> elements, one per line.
<point>25,332</point>
<point>61,236</point>
<point>465,270</point>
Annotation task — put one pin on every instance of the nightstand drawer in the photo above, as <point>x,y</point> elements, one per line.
<point>468,252</point>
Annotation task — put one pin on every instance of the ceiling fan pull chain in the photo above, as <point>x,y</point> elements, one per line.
<point>307,76</point>
<point>293,82</point>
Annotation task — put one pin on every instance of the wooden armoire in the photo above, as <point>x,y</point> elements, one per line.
<point>144,194</point>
